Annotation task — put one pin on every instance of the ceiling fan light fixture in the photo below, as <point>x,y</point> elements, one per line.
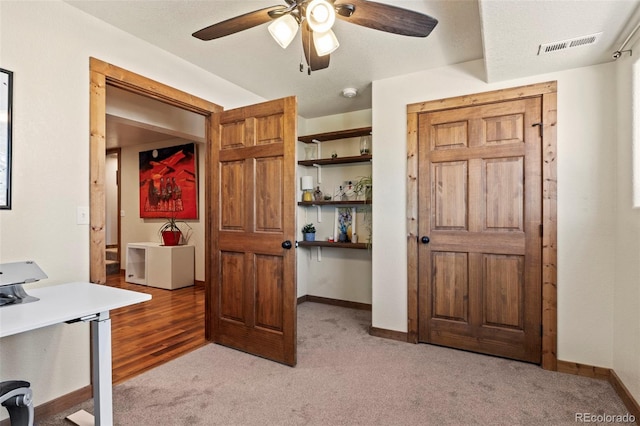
<point>325,43</point>
<point>283,30</point>
<point>320,15</point>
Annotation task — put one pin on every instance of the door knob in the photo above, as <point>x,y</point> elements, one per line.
<point>425,240</point>
<point>286,244</point>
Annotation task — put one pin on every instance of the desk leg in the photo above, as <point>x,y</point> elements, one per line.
<point>102,378</point>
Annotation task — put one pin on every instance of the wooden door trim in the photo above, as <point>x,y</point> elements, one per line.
<point>548,92</point>
<point>101,75</point>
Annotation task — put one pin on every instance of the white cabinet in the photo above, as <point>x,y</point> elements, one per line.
<point>155,265</point>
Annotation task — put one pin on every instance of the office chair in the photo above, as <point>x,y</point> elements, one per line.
<point>16,397</point>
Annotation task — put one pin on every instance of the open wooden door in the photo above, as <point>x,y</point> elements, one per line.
<point>252,231</point>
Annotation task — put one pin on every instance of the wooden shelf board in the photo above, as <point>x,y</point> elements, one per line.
<point>359,246</point>
<point>337,160</point>
<point>335,203</point>
<point>330,136</point>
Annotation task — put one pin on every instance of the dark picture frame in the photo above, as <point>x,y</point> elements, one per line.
<point>6,101</point>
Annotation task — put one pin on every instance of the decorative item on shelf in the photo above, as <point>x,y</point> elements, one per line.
<point>171,233</point>
<point>365,145</point>
<point>348,191</point>
<point>309,232</point>
<point>327,197</point>
<point>354,238</point>
<point>363,187</point>
<point>317,194</point>
<point>334,154</point>
<point>307,186</point>
<point>345,224</point>
<point>310,152</point>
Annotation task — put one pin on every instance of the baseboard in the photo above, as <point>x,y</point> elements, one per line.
<point>607,374</point>
<point>400,336</point>
<point>58,405</point>
<point>199,283</point>
<point>578,369</point>
<point>625,395</point>
<point>335,302</point>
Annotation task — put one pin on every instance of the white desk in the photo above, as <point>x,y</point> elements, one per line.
<point>78,301</point>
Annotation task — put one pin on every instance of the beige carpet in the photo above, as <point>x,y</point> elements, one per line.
<point>346,377</point>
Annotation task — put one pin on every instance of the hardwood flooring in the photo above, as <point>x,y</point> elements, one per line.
<point>151,333</point>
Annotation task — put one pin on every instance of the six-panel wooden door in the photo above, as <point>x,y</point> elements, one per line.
<point>253,268</point>
<point>480,204</point>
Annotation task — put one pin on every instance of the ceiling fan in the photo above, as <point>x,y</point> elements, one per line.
<point>315,18</point>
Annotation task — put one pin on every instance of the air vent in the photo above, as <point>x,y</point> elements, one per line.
<point>569,44</point>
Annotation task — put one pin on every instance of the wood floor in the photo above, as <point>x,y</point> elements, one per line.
<point>151,333</point>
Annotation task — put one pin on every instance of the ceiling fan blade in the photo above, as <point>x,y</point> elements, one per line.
<point>314,61</point>
<point>237,24</point>
<point>391,19</point>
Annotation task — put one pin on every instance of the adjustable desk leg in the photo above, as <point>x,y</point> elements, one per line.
<point>102,378</point>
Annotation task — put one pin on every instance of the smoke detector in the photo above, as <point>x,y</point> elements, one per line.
<point>349,92</point>
<point>569,43</point>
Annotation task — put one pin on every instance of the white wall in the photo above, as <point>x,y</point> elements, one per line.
<point>343,274</point>
<point>47,44</point>
<point>134,228</point>
<point>586,198</point>
<point>626,317</point>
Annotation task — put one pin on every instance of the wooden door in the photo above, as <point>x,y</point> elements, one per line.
<point>253,275</point>
<point>480,204</point>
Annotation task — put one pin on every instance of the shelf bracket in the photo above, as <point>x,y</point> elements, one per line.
<point>319,213</point>
<point>319,254</point>
<point>319,169</point>
<point>319,150</point>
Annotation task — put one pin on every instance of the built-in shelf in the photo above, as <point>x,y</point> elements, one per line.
<point>332,244</point>
<point>340,134</point>
<point>338,160</point>
<point>335,203</point>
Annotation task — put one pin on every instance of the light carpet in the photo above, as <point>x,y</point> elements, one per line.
<point>345,376</point>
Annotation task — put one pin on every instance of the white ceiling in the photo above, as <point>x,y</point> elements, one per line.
<point>505,33</point>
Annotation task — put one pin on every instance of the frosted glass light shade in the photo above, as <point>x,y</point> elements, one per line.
<point>320,15</point>
<point>283,30</point>
<point>306,183</point>
<point>325,43</point>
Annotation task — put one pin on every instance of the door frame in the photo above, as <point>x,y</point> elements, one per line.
<point>548,92</point>
<point>103,74</point>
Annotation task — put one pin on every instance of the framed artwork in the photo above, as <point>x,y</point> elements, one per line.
<point>169,183</point>
<point>6,95</point>
<point>345,224</point>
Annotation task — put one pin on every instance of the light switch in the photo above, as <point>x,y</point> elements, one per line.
<point>82,215</point>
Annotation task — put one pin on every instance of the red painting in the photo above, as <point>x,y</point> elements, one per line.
<point>168,182</point>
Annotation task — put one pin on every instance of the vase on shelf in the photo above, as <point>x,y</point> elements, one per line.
<point>342,237</point>
<point>365,144</point>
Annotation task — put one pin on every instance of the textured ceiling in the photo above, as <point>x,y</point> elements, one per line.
<point>504,33</point>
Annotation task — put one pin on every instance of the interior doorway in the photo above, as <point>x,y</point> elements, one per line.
<point>112,211</point>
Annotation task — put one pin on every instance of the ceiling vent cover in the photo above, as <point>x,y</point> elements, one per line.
<point>569,44</point>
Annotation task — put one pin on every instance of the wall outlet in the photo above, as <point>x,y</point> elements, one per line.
<point>82,215</point>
